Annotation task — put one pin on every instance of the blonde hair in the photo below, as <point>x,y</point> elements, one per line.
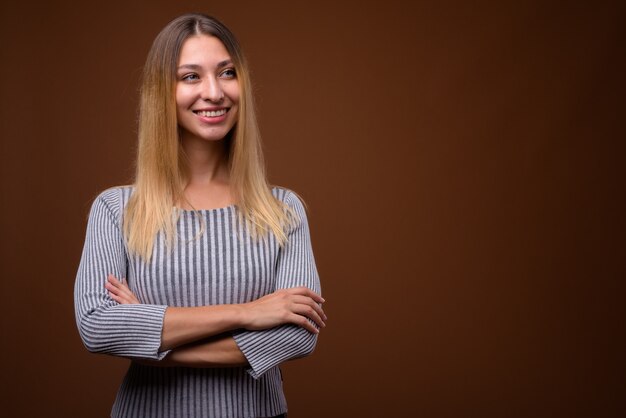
<point>160,178</point>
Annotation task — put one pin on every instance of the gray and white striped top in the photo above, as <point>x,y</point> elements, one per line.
<point>221,266</point>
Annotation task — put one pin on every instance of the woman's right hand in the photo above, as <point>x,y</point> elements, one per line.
<point>285,306</point>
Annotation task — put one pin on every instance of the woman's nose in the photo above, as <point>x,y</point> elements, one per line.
<point>212,91</point>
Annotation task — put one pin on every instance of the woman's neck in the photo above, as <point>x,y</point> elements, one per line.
<point>208,175</point>
<point>207,161</point>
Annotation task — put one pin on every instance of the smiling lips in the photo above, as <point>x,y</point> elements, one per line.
<point>211,113</point>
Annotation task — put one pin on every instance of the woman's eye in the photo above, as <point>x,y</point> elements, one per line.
<point>190,77</point>
<point>229,73</point>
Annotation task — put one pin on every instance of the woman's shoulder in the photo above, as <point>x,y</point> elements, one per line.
<point>114,198</point>
<point>293,201</point>
<point>287,196</point>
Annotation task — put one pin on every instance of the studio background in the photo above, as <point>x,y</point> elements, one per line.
<point>463,166</point>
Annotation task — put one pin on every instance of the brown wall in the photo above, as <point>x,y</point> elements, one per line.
<point>464,170</point>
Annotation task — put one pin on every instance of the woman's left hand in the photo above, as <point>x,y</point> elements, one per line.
<point>119,291</point>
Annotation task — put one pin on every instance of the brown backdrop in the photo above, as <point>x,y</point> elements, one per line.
<point>463,164</point>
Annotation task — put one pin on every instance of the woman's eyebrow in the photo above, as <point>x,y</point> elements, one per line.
<point>189,67</point>
<point>199,67</point>
<point>224,63</point>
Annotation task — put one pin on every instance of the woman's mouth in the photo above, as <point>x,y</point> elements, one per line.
<point>211,113</point>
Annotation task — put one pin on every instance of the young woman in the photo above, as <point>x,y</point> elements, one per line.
<point>199,272</point>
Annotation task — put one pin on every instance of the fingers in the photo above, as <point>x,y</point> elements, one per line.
<point>305,291</point>
<point>119,291</point>
<point>315,306</point>
<point>304,323</point>
<point>307,296</point>
<point>299,306</point>
<point>306,306</point>
<point>306,315</point>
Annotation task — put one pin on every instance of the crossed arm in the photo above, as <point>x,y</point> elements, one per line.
<point>263,333</point>
<point>199,336</point>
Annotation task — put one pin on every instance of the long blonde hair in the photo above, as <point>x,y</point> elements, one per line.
<point>160,175</point>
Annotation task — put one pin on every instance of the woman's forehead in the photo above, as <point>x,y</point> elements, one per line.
<point>203,49</point>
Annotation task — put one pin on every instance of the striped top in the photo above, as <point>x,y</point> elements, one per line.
<point>223,265</point>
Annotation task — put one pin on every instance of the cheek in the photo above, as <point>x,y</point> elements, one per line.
<point>178,98</point>
<point>183,99</point>
<point>233,92</point>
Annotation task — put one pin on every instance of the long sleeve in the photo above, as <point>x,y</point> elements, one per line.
<point>105,326</point>
<point>295,267</point>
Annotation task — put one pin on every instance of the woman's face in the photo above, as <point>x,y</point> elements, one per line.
<point>207,90</point>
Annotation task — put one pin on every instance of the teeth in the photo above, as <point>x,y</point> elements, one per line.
<point>211,113</point>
